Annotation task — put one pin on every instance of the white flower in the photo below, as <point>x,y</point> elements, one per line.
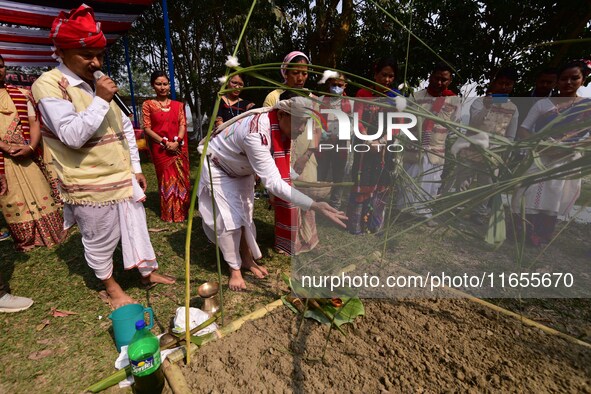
<point>400,103</point>
<point>223,79</point>
<point>232,61</point>
<point>328,74</point>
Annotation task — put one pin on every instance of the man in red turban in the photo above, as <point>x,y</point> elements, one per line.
<point>80,44</point>
<point>77,29</point>
<point>93,146</point>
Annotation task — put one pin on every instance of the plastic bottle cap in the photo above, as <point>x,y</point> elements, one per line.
<point>140,325</point>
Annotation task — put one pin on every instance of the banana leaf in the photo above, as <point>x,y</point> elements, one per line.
<point>351,309</point>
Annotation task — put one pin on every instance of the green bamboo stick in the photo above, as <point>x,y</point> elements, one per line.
<point>110,381</point>
<point>215,231</point>
<point>194,198</point>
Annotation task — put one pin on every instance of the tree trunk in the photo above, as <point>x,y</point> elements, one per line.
<point>327,45</point>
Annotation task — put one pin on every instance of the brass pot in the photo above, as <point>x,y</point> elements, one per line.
<point>208,291</point>
<point>211,305</point>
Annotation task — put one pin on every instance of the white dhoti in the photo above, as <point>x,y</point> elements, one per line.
<point>103,226</point>
<point>427,178</point>
<point>234,209</point>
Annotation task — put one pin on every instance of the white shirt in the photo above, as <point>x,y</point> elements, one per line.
<point>73,128</point>
<point>244,148</point>
<point>538,109</point>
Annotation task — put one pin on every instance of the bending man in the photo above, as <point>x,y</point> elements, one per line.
<point>256,142</point>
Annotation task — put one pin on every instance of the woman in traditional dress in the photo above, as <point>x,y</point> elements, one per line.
<point>295,229</point>
<point>371,169</point>
<point>544,201</point>
<point>31,207</point>
<point>166,125</point>
<point>237,151</point>
<point>231,104</point>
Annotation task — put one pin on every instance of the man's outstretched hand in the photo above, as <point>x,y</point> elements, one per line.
<point>333,214</point>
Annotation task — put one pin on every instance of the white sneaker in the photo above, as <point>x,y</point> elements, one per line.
<point>10,303</point>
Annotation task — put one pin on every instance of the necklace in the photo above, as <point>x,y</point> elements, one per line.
<point>164,105</point>
<point>564,105</point>
<point>231,106</point>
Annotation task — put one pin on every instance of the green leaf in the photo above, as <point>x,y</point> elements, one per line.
<point>287,281</point>
<point>351,309</point>
<point>289,305</point>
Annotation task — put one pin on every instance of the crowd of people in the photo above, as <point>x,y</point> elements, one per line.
<point>435,163</point>
<point>68,155</point>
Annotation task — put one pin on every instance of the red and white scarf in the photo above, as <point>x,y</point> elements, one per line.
<point>285,212</point>
<point>428,124</point>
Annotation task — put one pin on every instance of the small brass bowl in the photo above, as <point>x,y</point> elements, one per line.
<point>208,289</point>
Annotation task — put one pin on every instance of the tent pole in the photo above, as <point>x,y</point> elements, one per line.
<point>168,49</point>
<point>129,76</point>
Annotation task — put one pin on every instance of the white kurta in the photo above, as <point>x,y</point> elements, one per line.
<point>555,196</point>
<point>426,175</point>
<point>101,228</point>
<point>235,155</point>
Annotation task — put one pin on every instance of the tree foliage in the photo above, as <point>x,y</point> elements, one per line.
<point>475,37</point>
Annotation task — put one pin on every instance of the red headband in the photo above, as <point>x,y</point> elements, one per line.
<point>77,29</point>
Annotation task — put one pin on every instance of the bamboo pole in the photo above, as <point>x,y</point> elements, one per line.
<point>180,353</point>
<point>506,312</point>
<point>174,377</point>
<point>195,188</point>
<point>109,381</point>
<point>532,323</point>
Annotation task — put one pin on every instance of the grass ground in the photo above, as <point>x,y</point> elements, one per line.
<point>39,352</point>
<point>43,353</point>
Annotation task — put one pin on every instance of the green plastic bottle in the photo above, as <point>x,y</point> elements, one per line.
<point>145,360</point>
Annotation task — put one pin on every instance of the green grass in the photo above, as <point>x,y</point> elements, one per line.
<point>80,348</point>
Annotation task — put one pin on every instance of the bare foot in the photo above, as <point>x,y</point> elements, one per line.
<point>258,270</point>
<point>117,296</point>
<point>155,278</point>
<point>236,282</point>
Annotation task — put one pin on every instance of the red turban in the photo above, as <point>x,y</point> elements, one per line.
<point>77,29</point>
